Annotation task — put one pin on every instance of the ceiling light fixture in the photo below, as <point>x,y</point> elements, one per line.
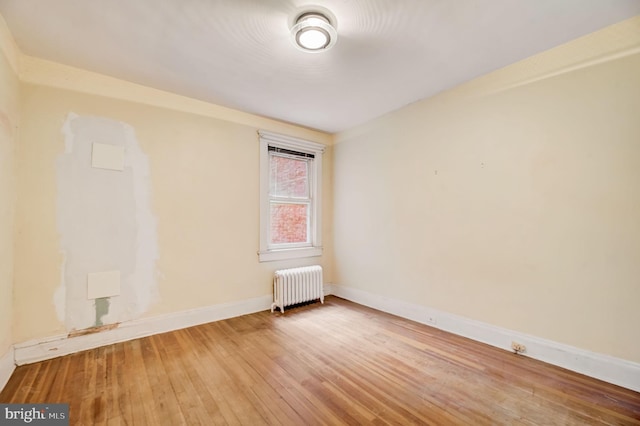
<point>314,31</point>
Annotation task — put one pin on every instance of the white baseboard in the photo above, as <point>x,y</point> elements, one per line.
<point>613,370</point>
<point>603,367</point>
<point>55,346</point>
<point>7,365</point>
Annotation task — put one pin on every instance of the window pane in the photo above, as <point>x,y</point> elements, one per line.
<point>289,177</point>
<point>289,223</point>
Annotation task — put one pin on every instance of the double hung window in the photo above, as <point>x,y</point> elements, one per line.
<point>290,181</point>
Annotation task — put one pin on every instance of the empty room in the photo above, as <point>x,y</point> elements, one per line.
<point>327,212</point>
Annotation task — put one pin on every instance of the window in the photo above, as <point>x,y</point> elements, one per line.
<point>290,182</point>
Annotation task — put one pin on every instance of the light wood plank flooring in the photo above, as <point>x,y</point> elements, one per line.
<point>337,363</point>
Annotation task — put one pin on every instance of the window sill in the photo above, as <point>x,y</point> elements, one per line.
<point>296,253</point>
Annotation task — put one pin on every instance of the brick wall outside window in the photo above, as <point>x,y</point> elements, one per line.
<point>288,223</point>
<point>289,179</point>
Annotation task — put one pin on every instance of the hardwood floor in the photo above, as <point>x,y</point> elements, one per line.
<point>337,363</point>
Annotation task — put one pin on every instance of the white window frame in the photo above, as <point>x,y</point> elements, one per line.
<point>267,253</point>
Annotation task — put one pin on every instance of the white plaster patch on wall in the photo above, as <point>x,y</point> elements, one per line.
<point>68,133</point>
<point>105,222</point>
<point>144,274</point>
<point>60,295</point>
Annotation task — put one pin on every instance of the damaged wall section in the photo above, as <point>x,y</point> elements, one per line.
<point>105,223</point>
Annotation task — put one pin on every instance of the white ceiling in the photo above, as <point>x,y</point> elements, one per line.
<point>238,53</point>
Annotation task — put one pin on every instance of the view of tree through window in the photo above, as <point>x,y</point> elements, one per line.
<point>290,200</point>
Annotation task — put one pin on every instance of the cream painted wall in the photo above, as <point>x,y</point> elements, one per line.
<point>204,194</point>
<point>513,200</point>
<point>9,106</point>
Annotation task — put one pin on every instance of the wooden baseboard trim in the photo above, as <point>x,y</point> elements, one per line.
<point>7,365</point>
<point>55,346</point>
<point>603,367</point>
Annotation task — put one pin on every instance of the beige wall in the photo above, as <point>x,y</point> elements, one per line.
<point>512,200</point>
<point>9,90</point>
<point>203,187</point>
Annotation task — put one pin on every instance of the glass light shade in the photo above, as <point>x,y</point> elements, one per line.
<point>313,32</point>
<point>312,38</point>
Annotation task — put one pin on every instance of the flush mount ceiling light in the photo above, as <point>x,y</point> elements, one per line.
<point>314,31</point>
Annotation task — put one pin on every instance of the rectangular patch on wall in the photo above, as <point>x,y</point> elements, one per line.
<point>103,284</point>
<point>110,157</point>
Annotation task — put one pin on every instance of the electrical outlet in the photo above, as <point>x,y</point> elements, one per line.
<point>518,347</point>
